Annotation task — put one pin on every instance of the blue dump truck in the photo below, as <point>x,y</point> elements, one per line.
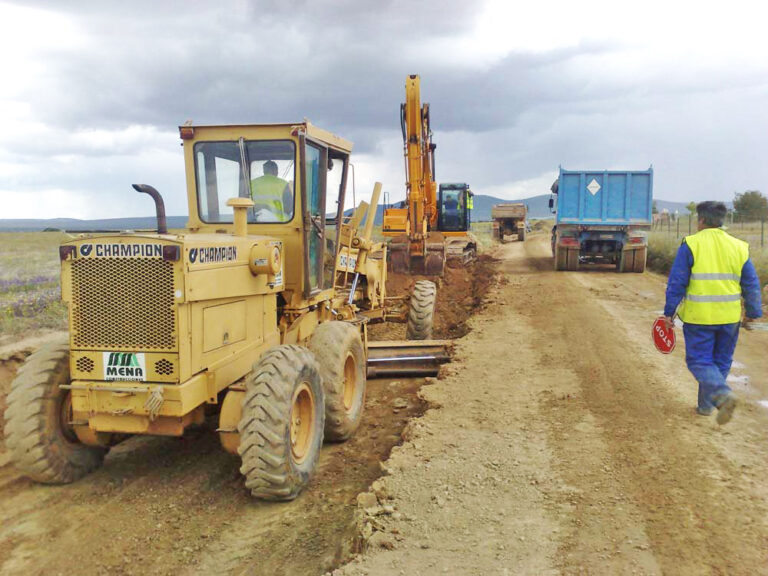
<point>602,217</point>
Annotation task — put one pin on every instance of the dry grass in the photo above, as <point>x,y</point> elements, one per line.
<point>663,245</point>
<point>30,292</point>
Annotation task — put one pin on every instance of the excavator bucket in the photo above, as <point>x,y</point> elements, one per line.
<point>460,250</point>
<point>426,258</point>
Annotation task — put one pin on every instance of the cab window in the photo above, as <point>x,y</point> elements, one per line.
<point>262,170</point>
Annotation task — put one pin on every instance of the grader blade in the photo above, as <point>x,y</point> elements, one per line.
<point>407,357</point>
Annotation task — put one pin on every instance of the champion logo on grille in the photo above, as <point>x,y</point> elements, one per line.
<point>212,254</point>
<point>124,366</point>
<point>122,250</point>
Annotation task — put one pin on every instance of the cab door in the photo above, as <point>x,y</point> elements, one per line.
<point>314,169</point>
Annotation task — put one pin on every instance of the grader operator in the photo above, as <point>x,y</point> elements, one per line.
<point>242,313</point>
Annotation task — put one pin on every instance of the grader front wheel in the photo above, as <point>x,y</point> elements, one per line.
<point>39,434</point>
<point>338,348</point>
<point>281,428</point>
<point>421,314</point>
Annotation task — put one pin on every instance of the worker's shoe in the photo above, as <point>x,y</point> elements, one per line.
<point>704,411</point>
<point>725,404</point>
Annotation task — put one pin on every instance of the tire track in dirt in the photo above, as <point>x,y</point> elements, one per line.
<point>566,445</point>
<point>667,463</point>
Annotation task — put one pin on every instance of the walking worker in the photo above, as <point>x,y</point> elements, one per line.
<point>710,275</point>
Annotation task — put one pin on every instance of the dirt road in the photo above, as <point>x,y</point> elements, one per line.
<point>178,506</point>
<point>565,444</point>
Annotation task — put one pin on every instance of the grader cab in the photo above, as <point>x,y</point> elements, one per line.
<point>246,313</point>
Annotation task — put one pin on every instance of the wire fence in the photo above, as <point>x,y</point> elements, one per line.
<point>679,226</point>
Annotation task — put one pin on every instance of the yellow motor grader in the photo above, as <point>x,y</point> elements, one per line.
<point>258,309</point>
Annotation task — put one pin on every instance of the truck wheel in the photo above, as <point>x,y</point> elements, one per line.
<point>281,429</point>
<point>641,256</point>
<point>561,258</point>
<point>573,260</point>
<point>421,313</point>
<point>38,430</point>
<point>521,234</point>
<point>338,348</point>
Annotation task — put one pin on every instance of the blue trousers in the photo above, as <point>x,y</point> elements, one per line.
<point>709,354</point>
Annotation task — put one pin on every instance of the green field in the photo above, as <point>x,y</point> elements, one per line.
<point>30,292</point>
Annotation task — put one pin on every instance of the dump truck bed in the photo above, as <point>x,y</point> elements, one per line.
<point>617,198</point>
<point>508,211</point>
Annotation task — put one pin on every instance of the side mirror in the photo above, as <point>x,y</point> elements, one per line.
<point>551,203</point>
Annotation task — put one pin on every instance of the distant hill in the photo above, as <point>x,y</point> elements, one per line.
<point>75,225</point>
<point>538,207</point>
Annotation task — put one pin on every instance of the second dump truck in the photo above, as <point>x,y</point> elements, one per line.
<point>509,220</point>
<point>602,217</point>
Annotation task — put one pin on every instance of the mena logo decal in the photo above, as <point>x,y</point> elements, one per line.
<point>124,366</point>
<point>192,255</point>
<point>85,249</point>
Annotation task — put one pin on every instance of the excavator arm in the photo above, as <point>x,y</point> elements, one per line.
<point>416,245</point>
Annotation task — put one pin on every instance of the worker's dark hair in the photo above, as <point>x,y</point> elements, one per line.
<point>712,213</point>
<point>270,167</point>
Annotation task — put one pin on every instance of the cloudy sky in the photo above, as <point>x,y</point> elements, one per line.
<point>92,92</point>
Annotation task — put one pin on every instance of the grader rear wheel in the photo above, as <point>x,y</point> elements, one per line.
<point>281,428</point>
<point>521,234</point>
<point>338,348</point>
<point>421,314</point>
<point>39,434</point>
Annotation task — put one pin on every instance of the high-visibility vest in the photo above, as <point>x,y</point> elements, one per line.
<point>470,202</point>
<point>713,295</point>
<point>267,192</point>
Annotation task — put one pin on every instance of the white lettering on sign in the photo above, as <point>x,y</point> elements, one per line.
<point>661,332</point>
<point>593,187</point>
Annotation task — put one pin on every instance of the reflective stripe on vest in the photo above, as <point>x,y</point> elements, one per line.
<point>713,295</point>
<point>267,192</point>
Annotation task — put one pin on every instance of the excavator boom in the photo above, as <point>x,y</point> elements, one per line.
<point>428,227</point>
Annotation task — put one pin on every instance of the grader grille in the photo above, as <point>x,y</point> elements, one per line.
<point>122,303</point>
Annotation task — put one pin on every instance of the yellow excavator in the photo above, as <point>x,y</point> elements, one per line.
<point>433,225</point>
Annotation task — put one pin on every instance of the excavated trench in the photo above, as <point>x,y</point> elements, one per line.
<point>178,505</point>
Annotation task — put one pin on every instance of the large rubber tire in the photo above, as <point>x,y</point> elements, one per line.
<point>561,258</point>
<point>41,443</point>
<point>521,234</point>
<point>272,468</point>
<point>338,349</point>
<point>640,258</point>
<point>633,261</point>
<point>421,313</point>
<point>573,260</point>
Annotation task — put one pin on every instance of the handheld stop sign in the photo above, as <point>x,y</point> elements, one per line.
<point>663,338</point>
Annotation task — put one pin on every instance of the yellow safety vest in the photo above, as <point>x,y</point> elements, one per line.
<point>713,295</point>
<point>267,192</point>
<point>470,202</point>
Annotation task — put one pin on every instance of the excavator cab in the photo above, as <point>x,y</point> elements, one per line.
<point>454,205</point>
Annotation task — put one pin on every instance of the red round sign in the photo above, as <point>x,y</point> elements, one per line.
<point>663,338</point>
